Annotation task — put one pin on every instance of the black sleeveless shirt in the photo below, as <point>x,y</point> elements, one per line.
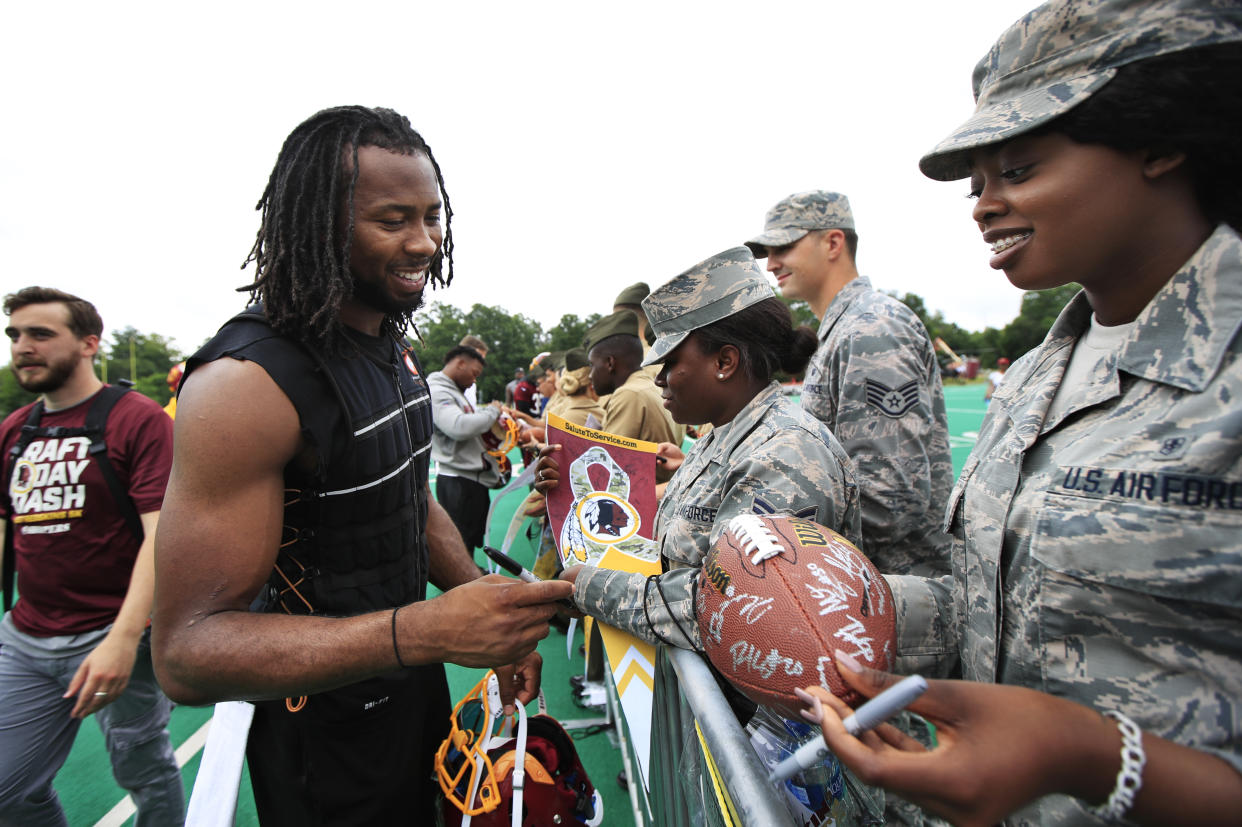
<point>353,539</point>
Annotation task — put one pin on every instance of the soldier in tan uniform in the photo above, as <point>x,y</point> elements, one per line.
<point>631,299</point>
<point>721,334</point>
<point>634,407</point>
<point>1099,517</point>
<point>575,388</point>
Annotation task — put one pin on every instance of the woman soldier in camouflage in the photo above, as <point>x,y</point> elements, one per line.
<point>721,335</point>
<point>1099,519</point>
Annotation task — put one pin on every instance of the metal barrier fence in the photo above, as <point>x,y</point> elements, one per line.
<point>743,776</point>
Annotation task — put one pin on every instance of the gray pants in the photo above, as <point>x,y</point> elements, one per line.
<point>36,732</point>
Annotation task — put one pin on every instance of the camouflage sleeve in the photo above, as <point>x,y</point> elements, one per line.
<point>887,421</point>
<point>657,610</point>
<point>793,473</point>
<point>926,625</point>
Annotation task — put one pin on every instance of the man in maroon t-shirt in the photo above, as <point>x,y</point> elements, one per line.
<point>524,396</point>
<point>75,642</point>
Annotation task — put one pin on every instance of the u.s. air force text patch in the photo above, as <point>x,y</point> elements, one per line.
<point>892,402</point>
<point>1192,490</point>
<point>697,514</point>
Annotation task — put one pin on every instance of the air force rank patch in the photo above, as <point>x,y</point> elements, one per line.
<point>762,506</point>
<point>894,402</point>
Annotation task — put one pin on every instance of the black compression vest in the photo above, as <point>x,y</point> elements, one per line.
<point>353,539</point>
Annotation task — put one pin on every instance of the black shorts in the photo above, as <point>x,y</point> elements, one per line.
<point>466,502</point>
<point>363,754</point>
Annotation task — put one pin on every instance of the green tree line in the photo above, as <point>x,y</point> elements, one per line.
<point>513,340</point>
<point>1038,311</point>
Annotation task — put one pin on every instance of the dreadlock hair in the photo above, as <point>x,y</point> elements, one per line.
<point>765,338</point>
<point>301,256</point>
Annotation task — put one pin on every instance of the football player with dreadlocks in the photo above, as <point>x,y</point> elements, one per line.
<point>299,535</point>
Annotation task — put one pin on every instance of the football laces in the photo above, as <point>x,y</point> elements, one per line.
<point>756,539</point>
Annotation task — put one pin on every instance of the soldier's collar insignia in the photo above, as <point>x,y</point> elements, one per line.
<point>1172,447</point>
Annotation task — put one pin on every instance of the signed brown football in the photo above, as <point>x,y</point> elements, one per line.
<point>778,596</point>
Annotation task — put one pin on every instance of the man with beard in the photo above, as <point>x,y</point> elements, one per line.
<point>81,544</point>
<point>300,476</point>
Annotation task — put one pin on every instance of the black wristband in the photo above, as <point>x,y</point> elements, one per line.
<point>395,650</point>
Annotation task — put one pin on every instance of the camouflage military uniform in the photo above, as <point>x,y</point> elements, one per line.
<point>1101,551</point>
<point>771,459</point>
<point>875,382</point>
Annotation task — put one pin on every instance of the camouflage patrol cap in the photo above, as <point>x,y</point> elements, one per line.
<point>634,294</point>
<point>1062,53</point>
<point>623,322</point>
<point>708,292</point>
<point>799,214</point>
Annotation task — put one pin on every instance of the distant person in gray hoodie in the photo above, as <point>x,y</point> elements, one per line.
<point>464,471</point>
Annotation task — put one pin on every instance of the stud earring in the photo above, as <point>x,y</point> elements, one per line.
<point>720,376</point>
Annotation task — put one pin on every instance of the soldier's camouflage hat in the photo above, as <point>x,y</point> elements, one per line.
<point>633,294</point>
<point>799,214</point>
<point>621,322</point>
<point>1062,53</point>
<point>708,292</point>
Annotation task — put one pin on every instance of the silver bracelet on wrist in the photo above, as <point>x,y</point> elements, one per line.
<point>1130,776</point>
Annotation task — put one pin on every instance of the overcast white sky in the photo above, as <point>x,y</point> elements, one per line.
<point>585,146</point>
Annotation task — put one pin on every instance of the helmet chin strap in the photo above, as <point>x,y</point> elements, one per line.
<point>496,709</point>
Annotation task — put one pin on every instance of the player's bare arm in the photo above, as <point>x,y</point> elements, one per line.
<point>218,541</point>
